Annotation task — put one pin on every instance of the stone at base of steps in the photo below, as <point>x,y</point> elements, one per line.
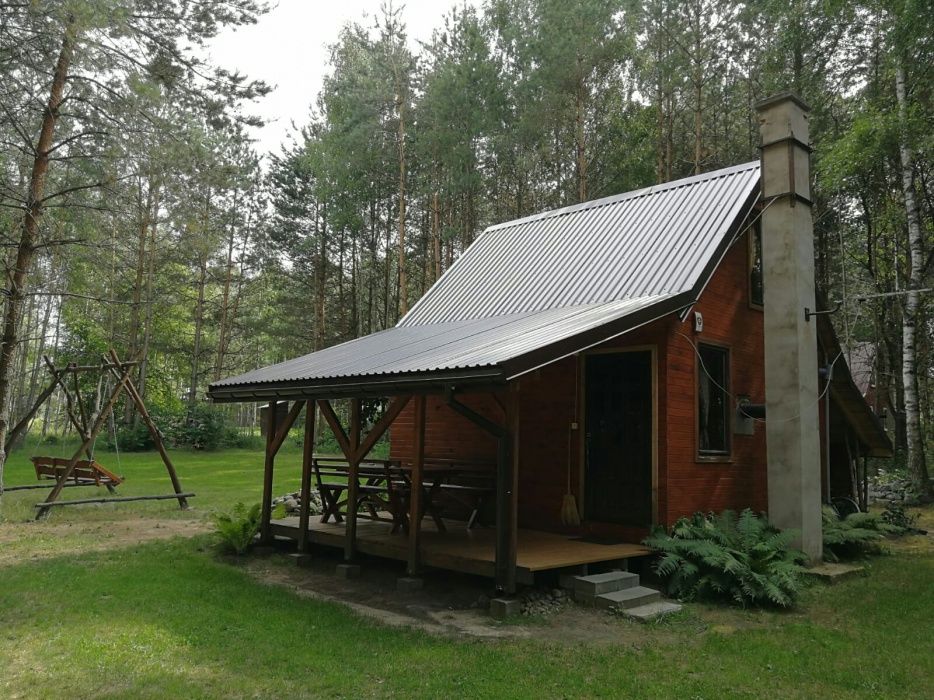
<point>830,572</point>
<point>650,611</point>
<point>626,598</point>
<point>596,584</point>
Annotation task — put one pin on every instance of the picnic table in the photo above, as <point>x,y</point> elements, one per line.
<point>384,485</point>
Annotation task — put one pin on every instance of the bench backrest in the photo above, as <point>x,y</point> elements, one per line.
<point>85,470</point>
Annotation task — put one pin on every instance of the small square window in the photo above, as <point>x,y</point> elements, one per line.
<point>713,416</point>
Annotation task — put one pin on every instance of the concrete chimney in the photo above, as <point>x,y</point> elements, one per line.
<point>792,429</point>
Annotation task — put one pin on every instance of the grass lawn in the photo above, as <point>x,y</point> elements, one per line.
<point>169,618</point>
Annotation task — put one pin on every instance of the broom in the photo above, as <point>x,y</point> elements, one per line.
<point>569,514</point>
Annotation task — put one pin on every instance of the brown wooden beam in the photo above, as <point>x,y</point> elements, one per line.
<point>507,475</point>
<point>415,484</point>
<point>308,447</point>
<point>507,482</point>
<point>98,424</point>
<point>24,421</point>
<point>154,433</point>
<point>265,533</point>
<point>327,412</point>
<point>353,481</point>
<point>286,426</point>
<point>69,406</point>
<point>382,425</point>
<point>113,499</point>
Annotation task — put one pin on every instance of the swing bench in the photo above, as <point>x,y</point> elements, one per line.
<point>63,473</point>
<point>87,472</point>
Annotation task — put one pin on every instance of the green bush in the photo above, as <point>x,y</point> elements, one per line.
<point>130,438</point>
<point>238,528</point>
<point>898,515</point>
<point>856,535</point>
<point>741,558</point>
<point>203,427</point>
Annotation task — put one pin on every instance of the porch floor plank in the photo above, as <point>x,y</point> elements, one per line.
<point>469,551</point>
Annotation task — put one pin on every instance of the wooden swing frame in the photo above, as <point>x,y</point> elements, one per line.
<point>110,363</point>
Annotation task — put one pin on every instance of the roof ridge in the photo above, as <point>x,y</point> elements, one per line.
<point>623,196</point>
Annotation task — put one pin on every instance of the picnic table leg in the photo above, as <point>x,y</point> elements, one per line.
<point>429,504</point>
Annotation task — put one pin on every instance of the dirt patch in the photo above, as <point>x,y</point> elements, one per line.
<point>449,604</point>
<point>41,540</point>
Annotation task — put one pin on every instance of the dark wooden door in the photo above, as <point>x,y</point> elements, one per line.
<point>618,445</point>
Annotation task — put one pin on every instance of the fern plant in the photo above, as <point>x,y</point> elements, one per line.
<point>741,558</point>
<point>238,528</point>
<point>855,535</point>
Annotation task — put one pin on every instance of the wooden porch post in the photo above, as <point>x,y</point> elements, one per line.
<point>507,481</point>
<point>274,440</point>
<point>307,455</point>
<point>507,477</point>
<point>355,452</point>
<point>265,531</point>
<point>415,497</point>
<point>350,543</point>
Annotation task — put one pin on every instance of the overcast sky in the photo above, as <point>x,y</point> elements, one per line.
<point>287,49</point>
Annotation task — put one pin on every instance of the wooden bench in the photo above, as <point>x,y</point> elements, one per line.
<point>86,471</point>
<point>378,488</point>
<point>469,483</point>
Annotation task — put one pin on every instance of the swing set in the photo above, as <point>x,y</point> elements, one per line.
<point>59,473</point>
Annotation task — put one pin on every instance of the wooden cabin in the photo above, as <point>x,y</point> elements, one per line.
<point>612,350</point>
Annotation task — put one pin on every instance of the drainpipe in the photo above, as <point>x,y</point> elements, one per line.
<point>827,374</point>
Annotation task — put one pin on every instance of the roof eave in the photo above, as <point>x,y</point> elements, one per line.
<point>549,354</point>
<point>356,387</point>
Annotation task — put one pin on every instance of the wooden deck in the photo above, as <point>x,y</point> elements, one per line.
<point>466,551</point>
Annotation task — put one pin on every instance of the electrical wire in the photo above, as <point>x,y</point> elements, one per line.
<point>736,401</point>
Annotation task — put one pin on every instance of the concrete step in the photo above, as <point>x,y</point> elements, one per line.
<point>596,584</point>
<point>627,598</point>
<point>830,572</point>
<point>651,611</point>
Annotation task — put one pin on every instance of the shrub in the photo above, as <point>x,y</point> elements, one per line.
<point>130,438</point>
<point>855,535</point>
<point>740,558</point>
<point>203,427</point>
<point>896,514</point>
<point>238,528</point>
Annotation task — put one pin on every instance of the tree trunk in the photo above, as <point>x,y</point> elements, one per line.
<point>403,282</point>
<point>917,468</point>
<point>147,325</point>
<point>225,302</point>
<point>436,236</point>
<point>698,93</point>
<point>320,275</point>
<point>30,232</point>
<point>199,329</point>
<point>579,136</point>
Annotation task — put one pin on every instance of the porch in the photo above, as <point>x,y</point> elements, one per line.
<point>469,551</point>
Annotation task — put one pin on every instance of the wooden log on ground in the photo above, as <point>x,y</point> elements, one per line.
<point>50,485</point>
<point>119,499</point>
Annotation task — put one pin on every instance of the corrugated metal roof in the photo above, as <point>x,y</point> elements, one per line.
<point>468,344</point>
<point>528,285</point>
<point>654,241</point>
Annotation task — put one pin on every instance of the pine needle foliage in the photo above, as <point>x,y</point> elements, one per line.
<point>856,535</point>
<point>238,528</point>
<point>740,558</point>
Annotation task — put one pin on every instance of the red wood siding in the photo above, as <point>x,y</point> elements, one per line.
<point>739,481</point>
<point>447,434</point>
<point>548,447</point>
